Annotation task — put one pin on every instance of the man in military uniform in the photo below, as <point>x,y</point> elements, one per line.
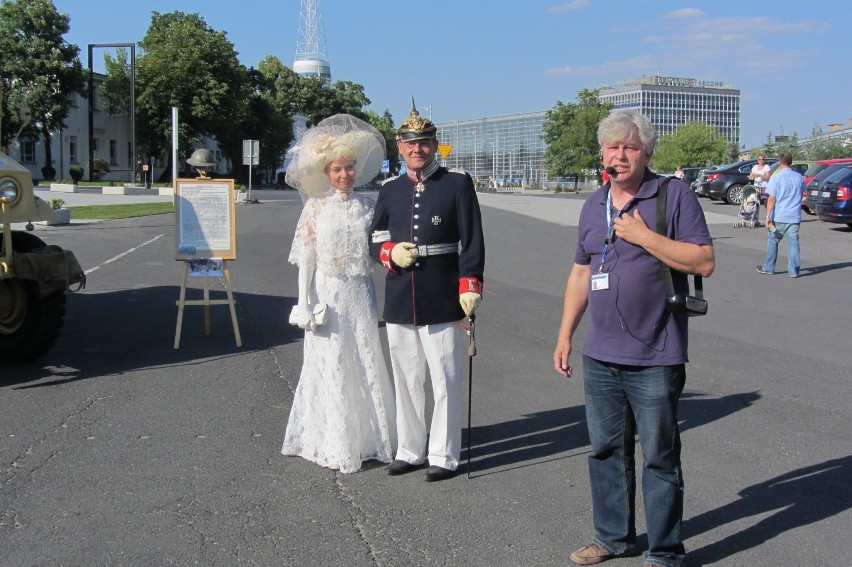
<point>427,232</point>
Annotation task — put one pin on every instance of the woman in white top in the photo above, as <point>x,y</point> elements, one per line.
<point>343,408</point>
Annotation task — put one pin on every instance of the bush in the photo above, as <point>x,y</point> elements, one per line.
<point>558,188</point>
<point>76,173</point>
<point>48,172</point>
<point>57,203</point>
<point>98,168</point>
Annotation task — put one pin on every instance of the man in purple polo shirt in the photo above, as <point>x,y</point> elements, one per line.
<point>635,350</point>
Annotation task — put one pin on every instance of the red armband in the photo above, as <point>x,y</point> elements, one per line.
<point>470,285</point>
<point>385,256</point>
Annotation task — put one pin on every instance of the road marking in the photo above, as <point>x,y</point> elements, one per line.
<point>123,254</point>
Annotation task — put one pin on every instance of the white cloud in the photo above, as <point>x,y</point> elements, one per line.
<point>617,68</point>
<point>569,6</point>
<point>684,13</point>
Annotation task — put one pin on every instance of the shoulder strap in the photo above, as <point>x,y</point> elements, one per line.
<point>665,271</point>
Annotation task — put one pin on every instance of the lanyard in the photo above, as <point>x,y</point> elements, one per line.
<point>610,229</point>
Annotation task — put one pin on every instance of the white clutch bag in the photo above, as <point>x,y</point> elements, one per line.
<point>316,317</point>
<point>320,314</point>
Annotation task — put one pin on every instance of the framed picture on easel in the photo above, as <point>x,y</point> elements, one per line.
<point>205,219</point>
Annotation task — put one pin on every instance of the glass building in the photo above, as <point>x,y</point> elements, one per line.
<point>509,149</point>
<point>672,101</point>
<point>503,149</point>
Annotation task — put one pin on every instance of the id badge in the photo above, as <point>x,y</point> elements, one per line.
<point>600,282</point>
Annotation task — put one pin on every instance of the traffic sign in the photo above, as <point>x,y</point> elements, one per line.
<point>251,152</point>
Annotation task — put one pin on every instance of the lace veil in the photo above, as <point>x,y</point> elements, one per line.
<point>341,135</point>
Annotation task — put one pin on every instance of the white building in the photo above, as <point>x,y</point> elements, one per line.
<point>70,145</point>
<point>671,101</point>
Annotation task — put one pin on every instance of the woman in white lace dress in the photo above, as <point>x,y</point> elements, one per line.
<point>343,409</point>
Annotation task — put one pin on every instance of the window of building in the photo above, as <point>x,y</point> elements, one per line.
<point>28,151</point>
<point>113,152</point>
<point>72,149</point>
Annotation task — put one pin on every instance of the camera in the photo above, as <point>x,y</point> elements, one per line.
<point>689,305</point>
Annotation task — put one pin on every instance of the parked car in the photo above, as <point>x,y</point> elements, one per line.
<point>692,174</point>
<point>821,164</point>
<point>727,181</point>
<point>815,186</point>
<point>697,182</point>
<point>834,204</point>
<point>812,172</point>
<point>800,166</point>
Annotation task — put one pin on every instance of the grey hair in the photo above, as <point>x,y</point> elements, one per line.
<point>621,123</point>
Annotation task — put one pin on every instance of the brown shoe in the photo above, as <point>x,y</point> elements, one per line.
<point>593,554</point>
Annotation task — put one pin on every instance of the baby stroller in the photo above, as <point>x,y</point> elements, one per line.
<point>749,208</point>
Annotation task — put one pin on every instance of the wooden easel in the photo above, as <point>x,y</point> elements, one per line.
<point>205,232</point>
<point>207,302</point>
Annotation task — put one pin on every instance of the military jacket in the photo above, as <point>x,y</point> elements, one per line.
<point>447,211</point>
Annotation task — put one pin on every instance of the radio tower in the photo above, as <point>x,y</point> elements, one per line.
<point>311,59</point>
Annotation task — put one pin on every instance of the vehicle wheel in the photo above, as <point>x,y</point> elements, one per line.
<point>734,194</point>
<point>29,324</point>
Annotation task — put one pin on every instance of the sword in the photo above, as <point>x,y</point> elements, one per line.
<point>471,352</point>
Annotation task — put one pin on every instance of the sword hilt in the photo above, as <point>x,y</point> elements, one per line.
<point>471,332</point>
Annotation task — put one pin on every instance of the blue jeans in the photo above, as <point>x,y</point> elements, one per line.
<point>791,230</point>
<point>620,402</point>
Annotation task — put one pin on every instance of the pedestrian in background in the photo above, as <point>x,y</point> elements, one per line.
<point>783,216</point>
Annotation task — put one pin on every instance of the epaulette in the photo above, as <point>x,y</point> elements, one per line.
<point>459,170</point>
<point>390,179</point>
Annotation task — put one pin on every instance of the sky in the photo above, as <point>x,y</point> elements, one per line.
<point>468,59</point>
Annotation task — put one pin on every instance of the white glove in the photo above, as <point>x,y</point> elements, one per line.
<point>469,301</point>
<point>404,254</point>
<point>302,317</point>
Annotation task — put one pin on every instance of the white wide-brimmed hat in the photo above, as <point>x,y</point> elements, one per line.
<point>338,136</point>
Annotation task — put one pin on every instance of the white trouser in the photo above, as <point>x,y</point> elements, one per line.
<point>411,349</point>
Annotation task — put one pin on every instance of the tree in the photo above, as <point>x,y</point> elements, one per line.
<point>571,135</point>
<point>693,144</point>
<point>384,124</point>
<point>823,146</point>
<point>775,145</point>
<point>115,90</point>
<point>38,68</point>
<point>188,65</point>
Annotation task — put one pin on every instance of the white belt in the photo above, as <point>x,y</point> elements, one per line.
<point>437,249</point>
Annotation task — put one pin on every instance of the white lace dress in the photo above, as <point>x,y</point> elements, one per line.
<point>343,410</point>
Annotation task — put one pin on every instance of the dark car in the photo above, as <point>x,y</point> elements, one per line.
<point>815,186</point>
<point>691,173</point>
<point>727,181</point>
<point>834,204</point>
<point>812,172</point>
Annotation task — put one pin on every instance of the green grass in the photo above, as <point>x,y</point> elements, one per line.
<point>110,212</point>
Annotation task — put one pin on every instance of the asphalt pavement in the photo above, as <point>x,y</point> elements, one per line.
<point>118,449</point>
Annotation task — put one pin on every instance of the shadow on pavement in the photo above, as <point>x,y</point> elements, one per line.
<point>792,500</point>
<point>549,435</point>
<point>115,332</point>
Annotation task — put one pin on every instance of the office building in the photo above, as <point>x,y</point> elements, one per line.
<point>672,101</point>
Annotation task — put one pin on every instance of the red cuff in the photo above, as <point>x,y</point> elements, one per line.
<point>470,285</point>
<point>385,256</point>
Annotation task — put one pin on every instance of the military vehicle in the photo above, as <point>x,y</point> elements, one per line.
<point>34,277</point>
